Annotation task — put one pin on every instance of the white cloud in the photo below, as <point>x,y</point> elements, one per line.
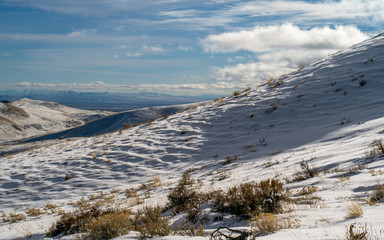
<point>185,48</point>
<point>279,48</point>
<point>266,38</point>
<point>250,73</point>
<point>81,33</point>
<point>153,49</point>
<point>128,54</point>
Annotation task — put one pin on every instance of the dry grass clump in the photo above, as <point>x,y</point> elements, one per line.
<point>34,212</point>
<point>131,193</point>
<point>50,207</point>
<point>307,172</point>
<point>357,233</point>
<point>230,159</point>
<point>184,197</point>
<point>149,223</point>
<point>377,196</point>
<point>249,199</point>
<point>354,210</point>
<point>307,190</point>
<point>109,225</point>
<point>68,176</point>
<point>13,217</point>
<point>156,182</point>
<point>377,147</point>
<point>267,223</point>
<point>189,229</point>
<point>71,223</point>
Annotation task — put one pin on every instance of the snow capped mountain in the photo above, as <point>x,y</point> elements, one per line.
<point>324,116</point>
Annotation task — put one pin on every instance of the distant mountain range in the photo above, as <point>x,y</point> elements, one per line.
<point>103,101</point>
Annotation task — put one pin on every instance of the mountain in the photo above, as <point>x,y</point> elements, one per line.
<point>26,117</point>
<point>113,122</point>
<point>317,130</point>
<point>103,100</point>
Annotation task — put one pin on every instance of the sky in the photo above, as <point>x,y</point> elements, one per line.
<point>179,47</point>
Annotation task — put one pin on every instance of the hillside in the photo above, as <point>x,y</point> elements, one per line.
<point>311,129</point>
<point>26,117</point>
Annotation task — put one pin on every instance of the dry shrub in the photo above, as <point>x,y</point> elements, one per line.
<point>377,195</point>
<point>189,229</point>
<point>71,223</point>
<point>156,182</point>
<point>150,223</point>
<point>230,159</point>
<point>307,172</point>
<point>68,176</point>
<point>13,217</point>
<point>50,207</point>
<point>130,192</point>
<point>250,198</point>
<point>377,147</point>
<point>354,210</point>
<point>357,233</point>
<point>267,223</point>
<point>184,197</point>
<point>34,212</point>
<point>307,190</point>
<point>109,225</point>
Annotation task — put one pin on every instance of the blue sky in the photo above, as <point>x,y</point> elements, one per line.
<point>181,47</point>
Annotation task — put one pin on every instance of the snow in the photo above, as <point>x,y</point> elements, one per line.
<point>326,114</point>
<point>26,118</point>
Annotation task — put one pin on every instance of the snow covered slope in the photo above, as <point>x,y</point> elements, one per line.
<point>326,114</point>
<point>26,117</point>
<point>114,122</point>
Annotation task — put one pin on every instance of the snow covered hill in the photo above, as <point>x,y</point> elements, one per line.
<point>322,118</point>
<point>26,117</point>
<point>114,122</point>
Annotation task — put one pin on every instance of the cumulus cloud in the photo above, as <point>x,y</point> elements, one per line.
<point>279,48</point>
<point>244,74</point>
<point>266,38</point>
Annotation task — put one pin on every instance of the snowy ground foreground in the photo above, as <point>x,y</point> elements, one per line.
<point>327,114</point>
<point>26,117</point>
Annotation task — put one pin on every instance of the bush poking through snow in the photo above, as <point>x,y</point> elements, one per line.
<point>267,223</point>
<point>150,223</point>
<point>71,223</point>
<point>250,198</point>
<point>68,176</point>
<point>183,197</point>
<point>230,159</point>
<point>189,229</point>
<point>377,195</point>
<point>377,147</point>
<point>354,233</point>
<point>109,225</point>
<point>309,171</point>
<point>34,212</point>
<point>354,210</point>
<point>307,190</point>
<point>13,217</point>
